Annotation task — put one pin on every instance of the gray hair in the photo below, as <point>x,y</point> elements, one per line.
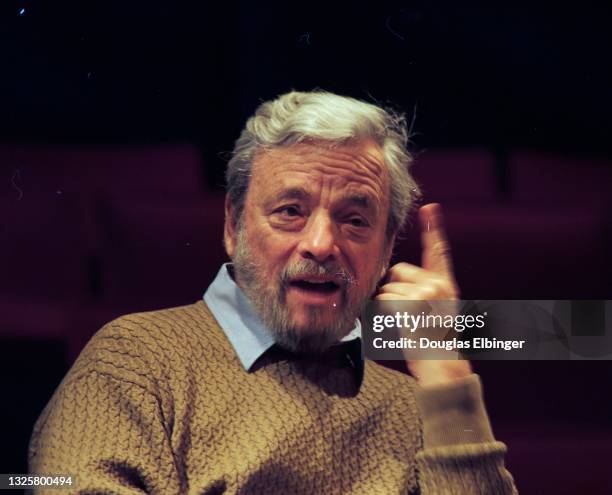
<point>298,116</point>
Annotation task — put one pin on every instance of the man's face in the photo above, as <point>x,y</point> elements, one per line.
<point>310,246</point>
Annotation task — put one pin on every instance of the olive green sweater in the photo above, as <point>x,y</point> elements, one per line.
<point>158,402</point>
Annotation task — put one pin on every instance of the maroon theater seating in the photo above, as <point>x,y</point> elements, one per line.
<point>456,175</point>
<point>555,177</point>
<point>114,169</point>
<point>523,252</point>
<point>158,252</point>
<point>43,262</point>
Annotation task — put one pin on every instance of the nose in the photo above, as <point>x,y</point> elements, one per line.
<point>319,239</point>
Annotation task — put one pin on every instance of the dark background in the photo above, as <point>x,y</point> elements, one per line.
<point>116,119</point>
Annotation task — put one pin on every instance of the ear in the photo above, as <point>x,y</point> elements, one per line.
<point>229,229</point>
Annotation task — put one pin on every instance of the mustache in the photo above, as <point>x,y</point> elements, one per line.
<point>304,268</point>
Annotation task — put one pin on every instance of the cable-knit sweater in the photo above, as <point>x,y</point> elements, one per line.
<point>158,402</point>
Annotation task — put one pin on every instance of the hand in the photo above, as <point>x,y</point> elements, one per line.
<point>434,281</point>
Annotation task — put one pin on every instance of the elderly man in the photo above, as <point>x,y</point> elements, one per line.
<point>260,387</point>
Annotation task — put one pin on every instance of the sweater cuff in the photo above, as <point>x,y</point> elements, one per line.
<point>454,413</point>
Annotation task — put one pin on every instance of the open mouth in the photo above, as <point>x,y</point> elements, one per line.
<point>316,287</point>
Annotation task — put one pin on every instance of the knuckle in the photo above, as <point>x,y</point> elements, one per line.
<point>428,292</point>
<point>400,268</point>
<point>444,287</point>
<point>441,248</point>
<point>438,287</point>
<point>385,288</point>
<point>404,267</point>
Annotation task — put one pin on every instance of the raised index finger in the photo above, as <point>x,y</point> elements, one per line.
<point>436,250</point>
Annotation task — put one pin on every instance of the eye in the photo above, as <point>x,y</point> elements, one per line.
<point>289,211</point>
<point>357,221</point>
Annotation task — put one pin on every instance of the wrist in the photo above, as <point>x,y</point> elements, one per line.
<point>454,413</point>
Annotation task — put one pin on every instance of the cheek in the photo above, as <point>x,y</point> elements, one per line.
<point>271,251</point>
<point>369,266</point>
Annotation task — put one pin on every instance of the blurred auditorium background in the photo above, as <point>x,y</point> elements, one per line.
<point>116,120</point>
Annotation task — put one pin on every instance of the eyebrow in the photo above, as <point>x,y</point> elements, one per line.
<point>291,193</point>
<point>299,193</point>
<point>361,201</point>
<point>358,200</point>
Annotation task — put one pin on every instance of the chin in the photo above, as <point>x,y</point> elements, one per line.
<point>312,323</point>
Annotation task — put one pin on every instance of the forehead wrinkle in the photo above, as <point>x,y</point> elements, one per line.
<point>372,175</point>
<point>290,183</point>
<point>348,173</point>
<point>362,167</point>
<point>304,153</point>
<point>345,159</point>
<point>352,192</point>
<point>366,158</point>
<point>297,192</point>
<point>371,165</point>
<point>326,169</point>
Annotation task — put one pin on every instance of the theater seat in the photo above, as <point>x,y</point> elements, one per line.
<point>457,175</point>
<point>43,252</point>
<point>559,178</point>
<point>44,265</point>
<point>159,252</point>
<point>523,252</point>
<point>564,459</point>
<point>105,168</point>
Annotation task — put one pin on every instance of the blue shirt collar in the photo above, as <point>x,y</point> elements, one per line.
<point>243,328</point>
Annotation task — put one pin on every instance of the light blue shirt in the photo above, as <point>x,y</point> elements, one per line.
<point>243,328</point>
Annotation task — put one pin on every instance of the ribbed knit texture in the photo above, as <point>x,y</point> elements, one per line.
<point>159,403</point>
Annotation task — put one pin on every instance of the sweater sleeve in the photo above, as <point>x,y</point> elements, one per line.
<point>105,426</point>
<point>460,454</point>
